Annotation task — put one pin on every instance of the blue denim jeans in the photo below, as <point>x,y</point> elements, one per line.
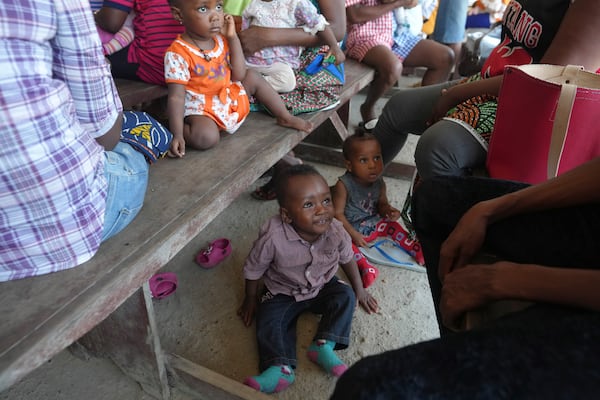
<point>126,172</point>
<point>451,21</point>
<point>277,316</point>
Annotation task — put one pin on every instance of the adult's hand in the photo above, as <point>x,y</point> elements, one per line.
<point>467,289</point>
<point>465,240</point>
<point>255,38</point>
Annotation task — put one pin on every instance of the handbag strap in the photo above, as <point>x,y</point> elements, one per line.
<point>562,118</point>
<point>477,42</point>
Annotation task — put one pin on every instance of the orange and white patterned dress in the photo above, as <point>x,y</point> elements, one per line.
<point>209,89</point>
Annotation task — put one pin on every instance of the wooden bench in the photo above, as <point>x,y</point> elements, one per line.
<point>107,299</point>
<point>136,94</point>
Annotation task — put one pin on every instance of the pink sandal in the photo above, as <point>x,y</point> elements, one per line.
<point>216,252</point>
<point>163,285</point>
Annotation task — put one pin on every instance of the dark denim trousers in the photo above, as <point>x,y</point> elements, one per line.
<point>277,316</point>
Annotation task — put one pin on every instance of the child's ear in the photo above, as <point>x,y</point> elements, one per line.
<point>285,216</point>
<point>348,165</point>
<point>177,14</point>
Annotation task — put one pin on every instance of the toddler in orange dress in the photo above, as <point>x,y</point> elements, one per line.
<point>208,81</point>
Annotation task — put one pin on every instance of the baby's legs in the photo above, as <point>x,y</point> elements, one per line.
<point>389,70</point>
<point>255,85</point>
<point>280,76</point>
<point>336,303</point>
<point>276,319</point>
<point>200,132</point>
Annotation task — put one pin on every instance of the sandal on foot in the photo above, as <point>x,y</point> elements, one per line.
<point>216,252</point>
<point>369,125</point>
<point>264,194</point>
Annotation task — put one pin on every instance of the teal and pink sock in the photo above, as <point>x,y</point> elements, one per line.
<point>321,352</point>
<point>272,380</point>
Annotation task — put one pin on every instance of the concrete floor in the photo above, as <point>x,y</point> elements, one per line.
<point>194,319</point>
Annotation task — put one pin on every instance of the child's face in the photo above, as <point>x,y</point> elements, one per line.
<point>202,19</point>
<point>308,206</point>
<point>365,162</point>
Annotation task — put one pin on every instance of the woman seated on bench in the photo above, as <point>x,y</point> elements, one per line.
<point>546,238</point>
<point>66,183</point>
<point>256,38</point>
<point>454,141</point>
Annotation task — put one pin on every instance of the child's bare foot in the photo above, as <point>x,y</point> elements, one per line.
<point>294,122</point>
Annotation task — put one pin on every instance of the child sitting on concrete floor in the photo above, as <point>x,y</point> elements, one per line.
<point>361,204</point>
<point>208,81</point>
<point>297,254</point>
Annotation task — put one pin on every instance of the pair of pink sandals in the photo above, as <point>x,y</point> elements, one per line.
<point>164,284</point>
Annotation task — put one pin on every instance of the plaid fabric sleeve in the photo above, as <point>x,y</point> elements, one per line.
<point>80,63</point>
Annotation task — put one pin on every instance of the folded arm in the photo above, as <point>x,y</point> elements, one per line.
<point>473,286</point>
<point>576,187</point>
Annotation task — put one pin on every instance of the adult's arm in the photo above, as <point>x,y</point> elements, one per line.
<point>579,186</point>
<point>84,70</point>
<point>473,286</point>
<point>110,18</point>
<point>574,43</point>
<point>468,286</point>
<point>110,139</point>
<point>256,38</point>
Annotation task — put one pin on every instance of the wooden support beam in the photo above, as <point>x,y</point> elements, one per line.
<point>208,384</point>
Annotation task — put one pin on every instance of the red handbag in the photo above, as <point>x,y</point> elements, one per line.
<point>547,122</point>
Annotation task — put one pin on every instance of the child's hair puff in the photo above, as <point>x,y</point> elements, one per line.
<point>360,135</point>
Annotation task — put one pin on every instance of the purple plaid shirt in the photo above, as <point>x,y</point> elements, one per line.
<point>291,265</point>
<point>56,96</point>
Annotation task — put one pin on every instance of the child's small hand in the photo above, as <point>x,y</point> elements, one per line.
<point>229,26</point>
<point>359,239</point>
<point>389,212</point>
<point>177,148</point>
<point>247,310</point>
<point>338,54</point>
<point>393,214</point>
<point>367,302</point>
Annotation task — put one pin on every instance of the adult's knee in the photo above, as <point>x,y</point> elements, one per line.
<point>446,148</point>
<point>390,72</point>
<point>444,58</point>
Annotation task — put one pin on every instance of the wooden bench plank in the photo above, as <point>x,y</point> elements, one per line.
<point>134,93</point>
<point>43,315</point>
